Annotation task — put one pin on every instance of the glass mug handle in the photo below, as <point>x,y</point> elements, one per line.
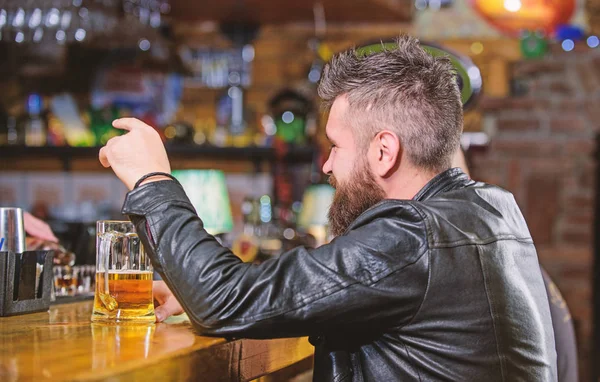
<point>107,247</point>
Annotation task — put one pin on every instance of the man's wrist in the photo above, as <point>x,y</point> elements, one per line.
<point>153,177</point>
<point>156,178</point>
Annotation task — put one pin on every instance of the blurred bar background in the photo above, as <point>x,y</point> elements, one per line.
<point>231,86</point>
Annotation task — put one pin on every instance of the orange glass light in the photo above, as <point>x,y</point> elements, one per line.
<point>514,16</point>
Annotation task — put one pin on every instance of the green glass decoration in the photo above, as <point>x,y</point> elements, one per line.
<point>290,111</point>
<point>291,130</point>
<point>207,191</point>
<point>533,45</point>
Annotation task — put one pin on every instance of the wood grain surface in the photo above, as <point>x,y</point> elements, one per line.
<point>62,344</point>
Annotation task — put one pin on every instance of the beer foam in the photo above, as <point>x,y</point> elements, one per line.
<point>126,271</point>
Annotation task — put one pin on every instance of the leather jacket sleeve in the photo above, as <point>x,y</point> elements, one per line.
<point>365,277</point>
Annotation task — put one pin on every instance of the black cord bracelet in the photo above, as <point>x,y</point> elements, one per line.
<point>150,175</point>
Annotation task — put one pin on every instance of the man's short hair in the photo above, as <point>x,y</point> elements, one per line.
<point>405,90</point>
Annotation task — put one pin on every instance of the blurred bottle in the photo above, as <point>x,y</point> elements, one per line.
<point>268,233</point>
<point>14,134</point>
<point>203,128</point>
<point>35,126</point>
<point>224,105</point>
<point>56,131</point>
<point>179,131</point>
<point>9,133</point>
<point>246,245</point>
<point>67,125</point>
<point>3,127</point>
<point>235,121</point>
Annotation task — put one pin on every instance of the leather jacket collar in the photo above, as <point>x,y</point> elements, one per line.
<point>448,180</point>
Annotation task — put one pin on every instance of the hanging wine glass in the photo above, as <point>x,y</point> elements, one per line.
<point>78,21</point>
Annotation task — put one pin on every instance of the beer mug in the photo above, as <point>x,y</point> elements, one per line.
<point>123,275</point>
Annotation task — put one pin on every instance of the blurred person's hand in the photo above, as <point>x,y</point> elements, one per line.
<point>38,228</point>
<point>166,305</point>
<point>136,153</point>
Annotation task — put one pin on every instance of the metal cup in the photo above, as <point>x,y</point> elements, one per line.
<point>12,231</point>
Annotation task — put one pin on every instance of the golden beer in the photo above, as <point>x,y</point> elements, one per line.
<point>123,296</point>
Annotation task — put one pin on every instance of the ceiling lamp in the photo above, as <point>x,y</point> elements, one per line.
<point>514,16</point>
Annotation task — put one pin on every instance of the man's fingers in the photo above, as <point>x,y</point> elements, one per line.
<point>169,308</point>
<point>129,124</point>
<point>160,288</point>
<point>102,155</point>
<point>168,303</point>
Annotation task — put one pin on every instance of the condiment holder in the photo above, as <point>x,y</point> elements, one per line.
<point>25,282</point>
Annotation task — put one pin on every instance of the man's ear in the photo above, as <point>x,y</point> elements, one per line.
<point>385,153</point>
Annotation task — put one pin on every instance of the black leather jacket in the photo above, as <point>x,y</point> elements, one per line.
<point>446,286</point>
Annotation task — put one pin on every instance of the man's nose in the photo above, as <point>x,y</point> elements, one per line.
<point>327,166</point>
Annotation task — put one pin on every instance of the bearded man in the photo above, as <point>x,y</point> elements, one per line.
<point>431,276</point>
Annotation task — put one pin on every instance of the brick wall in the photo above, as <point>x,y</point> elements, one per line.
<point>542,150</point>
<point>593,12</point>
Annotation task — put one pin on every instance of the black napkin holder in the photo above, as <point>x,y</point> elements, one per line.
<point>25,282</point>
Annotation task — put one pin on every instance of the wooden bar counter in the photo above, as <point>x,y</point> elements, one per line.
<point>62,344</point>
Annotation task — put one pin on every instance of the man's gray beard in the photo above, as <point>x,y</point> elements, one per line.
<point>352,198</point>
